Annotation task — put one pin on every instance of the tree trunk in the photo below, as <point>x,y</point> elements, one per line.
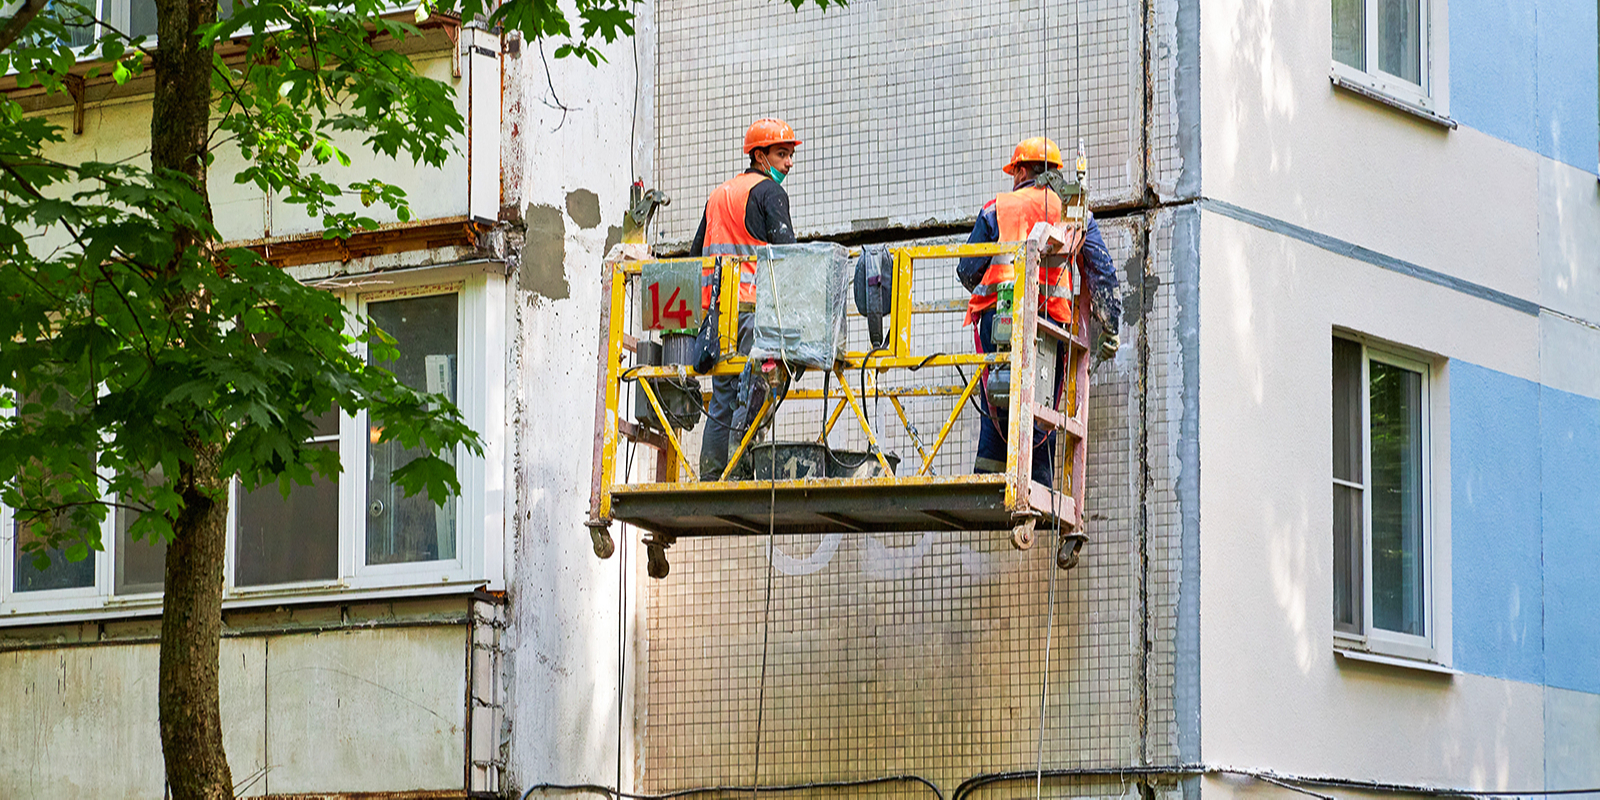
<point>191,637</point>
<point>191,622</point>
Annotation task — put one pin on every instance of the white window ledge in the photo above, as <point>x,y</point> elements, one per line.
<point>1378,95</point>
<point>264,599</point>
<point>1393,661</point>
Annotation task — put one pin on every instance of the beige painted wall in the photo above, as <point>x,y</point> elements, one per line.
<point>368,710</point>
<point>1274,695</point>
<point>241,210</point>
<point>1278,139</point>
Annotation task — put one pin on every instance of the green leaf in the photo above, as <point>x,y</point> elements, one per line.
<point>120,73</point>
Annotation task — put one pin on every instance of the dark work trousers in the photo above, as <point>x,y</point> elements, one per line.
<point>992,433</point>
<point>726,418</point>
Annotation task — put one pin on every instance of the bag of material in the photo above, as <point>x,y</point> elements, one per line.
<point>874,289</point>
<point>801,294</point>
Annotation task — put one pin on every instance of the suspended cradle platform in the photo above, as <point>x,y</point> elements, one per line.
<point>675,503</point>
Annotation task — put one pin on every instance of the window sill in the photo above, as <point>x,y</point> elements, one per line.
<point>1377,95</point>
<point>150,606</point>
<point>1395,661</point>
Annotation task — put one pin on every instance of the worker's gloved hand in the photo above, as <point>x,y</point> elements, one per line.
<point>1107,310</point>
<point>1106,344</point>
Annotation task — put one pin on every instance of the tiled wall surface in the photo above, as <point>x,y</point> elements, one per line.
<point>924,653</point>
<point>907,109</point>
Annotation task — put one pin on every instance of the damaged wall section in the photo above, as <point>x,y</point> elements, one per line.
<point>923,652</point>
<point>907,110</point>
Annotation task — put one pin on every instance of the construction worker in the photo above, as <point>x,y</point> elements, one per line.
<point>749,210</point>
<point>1009,218</point>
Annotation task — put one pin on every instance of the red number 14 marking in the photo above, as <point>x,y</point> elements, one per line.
<point>680,314</point>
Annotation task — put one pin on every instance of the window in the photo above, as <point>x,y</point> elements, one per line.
<point>353,532</point>
<point>1383,47</point>
<point>132,17</point>
<point>1381,538</point>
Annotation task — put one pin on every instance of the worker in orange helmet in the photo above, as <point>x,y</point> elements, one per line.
<point>749,210</point>
<point>1009,218</point>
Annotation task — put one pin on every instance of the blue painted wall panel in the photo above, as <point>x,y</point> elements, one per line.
<point>1496,569</point>
<point>1493,58</point>
<point>1569,98</point>
<point>1571,475</point>
<point>1526,72</point>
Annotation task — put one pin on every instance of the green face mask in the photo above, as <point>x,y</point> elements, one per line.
<point>776,176</point>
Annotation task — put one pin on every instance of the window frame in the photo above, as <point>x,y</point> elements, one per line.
<point>480,534</point>
<point>1425,98</point>
<point>1426,648</point>
<point>457,568</point>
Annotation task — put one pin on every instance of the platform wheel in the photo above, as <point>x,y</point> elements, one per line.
<point>601,539</point>
<point>1067,552</point>
<point>1022,536</point>
<point>657,565</point>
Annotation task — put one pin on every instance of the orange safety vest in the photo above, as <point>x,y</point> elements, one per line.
<point>726,236</point>
<point>1017,212</point>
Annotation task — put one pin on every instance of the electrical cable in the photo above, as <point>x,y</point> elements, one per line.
<point>1292,782</point>
<point>791,787</point>
<point>772,507</point>
<point>622,618</point>
<point>633,131</point>
<point>967,787</point>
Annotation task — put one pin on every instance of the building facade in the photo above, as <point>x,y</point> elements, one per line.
<point>1343,473</point>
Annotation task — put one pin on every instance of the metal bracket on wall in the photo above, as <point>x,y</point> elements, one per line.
<point>453,30</point>
<point>75,87</point>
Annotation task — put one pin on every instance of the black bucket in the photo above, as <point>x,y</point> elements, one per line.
<point>859,464</point>
<point>789,460</point>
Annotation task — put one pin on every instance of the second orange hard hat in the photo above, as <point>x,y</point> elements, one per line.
<point>769,131</point>
<point>1036,148</point>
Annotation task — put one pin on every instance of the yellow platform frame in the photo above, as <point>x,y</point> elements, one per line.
<point>677,505</point>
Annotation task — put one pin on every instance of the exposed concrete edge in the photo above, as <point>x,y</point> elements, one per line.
<point>1185,257</point>
<point>1351,250</point>
<point>1186,94</point>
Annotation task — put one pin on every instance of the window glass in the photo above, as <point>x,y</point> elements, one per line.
<point>82,33</point>
<point>142,18</point>
<point>1398,577</point>
<point>60,574</point>
<point>404,529</point>
<point>286,540</point>
<point>1350,32</point>
<point>1400,39</point>
<point>1347,500</point>
<point>140,563</point>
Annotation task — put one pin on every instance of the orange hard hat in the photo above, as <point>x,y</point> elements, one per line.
<point>1036,148</point>
<point>768,131</point>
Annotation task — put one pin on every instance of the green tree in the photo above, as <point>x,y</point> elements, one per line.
<point>133,343</point>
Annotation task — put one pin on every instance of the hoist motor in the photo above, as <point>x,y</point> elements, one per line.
<point>679,397</point>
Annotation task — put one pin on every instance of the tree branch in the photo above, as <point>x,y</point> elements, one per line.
<point>14,26</point>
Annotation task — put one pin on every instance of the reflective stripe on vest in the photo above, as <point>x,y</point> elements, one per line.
<point>1015,214</point>
<point>726,236</point>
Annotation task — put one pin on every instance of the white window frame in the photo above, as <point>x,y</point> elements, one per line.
<point>1370,639</point>
<point>1427,98</point>
<point>17,603</point>
<point>480,530</point>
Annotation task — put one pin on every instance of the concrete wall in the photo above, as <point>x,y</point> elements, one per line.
<point>924,653</point>
<point>343,709</point>
<point>1477,247</point>
<point>907,110</point>
<point>566,180</point>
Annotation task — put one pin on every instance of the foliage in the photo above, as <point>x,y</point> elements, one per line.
<point>133,339</point>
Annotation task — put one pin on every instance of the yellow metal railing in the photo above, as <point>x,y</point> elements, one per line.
<point>898,353</point>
